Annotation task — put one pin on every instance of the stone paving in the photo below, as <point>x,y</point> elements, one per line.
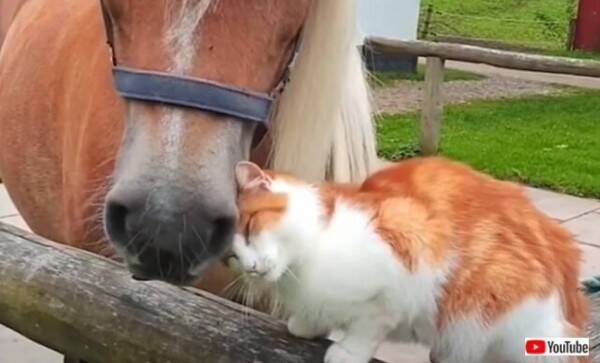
<point>581,216</point>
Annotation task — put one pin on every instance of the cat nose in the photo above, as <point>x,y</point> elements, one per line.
<point>253,270</point>
<point>256,270</point>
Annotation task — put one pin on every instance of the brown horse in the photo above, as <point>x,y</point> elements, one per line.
<point>8,10</point>
<point>72,152</point>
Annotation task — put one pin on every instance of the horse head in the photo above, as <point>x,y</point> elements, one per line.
<point>171,208</point>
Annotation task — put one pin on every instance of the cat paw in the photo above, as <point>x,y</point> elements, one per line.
<point>338,354</point>
<point>303,329</point>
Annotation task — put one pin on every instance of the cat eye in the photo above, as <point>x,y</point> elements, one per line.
<point>247,228</point>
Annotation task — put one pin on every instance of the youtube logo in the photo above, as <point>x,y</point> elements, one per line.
<point>557,346</point>
<point>535,346</point>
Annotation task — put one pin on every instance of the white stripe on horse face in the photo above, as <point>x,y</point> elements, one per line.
<point>181,41</point>
<point>173,136</point>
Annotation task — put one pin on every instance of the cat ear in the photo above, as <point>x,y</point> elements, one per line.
<point>250,176</point>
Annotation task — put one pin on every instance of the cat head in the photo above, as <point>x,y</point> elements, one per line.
<point>278,217</point>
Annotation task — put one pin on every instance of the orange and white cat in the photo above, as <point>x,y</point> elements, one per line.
<point>426,250</point>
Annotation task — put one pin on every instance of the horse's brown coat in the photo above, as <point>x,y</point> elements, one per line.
<point>8,11</point>
<point>62,123</point>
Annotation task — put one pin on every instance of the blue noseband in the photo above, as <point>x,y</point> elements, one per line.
<point>194,93</point>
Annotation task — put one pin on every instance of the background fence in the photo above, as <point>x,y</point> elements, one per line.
<point>510,24</point>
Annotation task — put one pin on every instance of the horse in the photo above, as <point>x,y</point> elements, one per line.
<point>153,183</point>
<point>8,10</point>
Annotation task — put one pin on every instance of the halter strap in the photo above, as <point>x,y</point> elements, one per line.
<point>108,29</point>
<point>195,93</point>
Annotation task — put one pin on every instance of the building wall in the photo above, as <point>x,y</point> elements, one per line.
<point>396,19</point>
<point>587,29</point>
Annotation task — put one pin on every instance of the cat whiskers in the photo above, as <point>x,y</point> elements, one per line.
<point>233,288</point>
<point>237,290</point>
<point>276,305</point>
<point>254,293</point>
<point>291,273</point>
<point>247,299</point>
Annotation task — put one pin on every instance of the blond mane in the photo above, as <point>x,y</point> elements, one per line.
<point>323,127</point>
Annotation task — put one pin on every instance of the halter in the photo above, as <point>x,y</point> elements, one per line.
<point>191,92</point>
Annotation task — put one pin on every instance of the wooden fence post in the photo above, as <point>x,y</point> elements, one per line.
<point>433,107</point>
<point>571,34</point>
<point>426,22</point>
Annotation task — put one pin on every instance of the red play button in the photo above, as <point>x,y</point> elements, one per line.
<point>535,346</point>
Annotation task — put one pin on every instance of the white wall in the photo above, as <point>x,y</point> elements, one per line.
<point>397,19</point>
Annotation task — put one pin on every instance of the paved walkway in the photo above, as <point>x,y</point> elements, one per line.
<point>408,96</point>
<point>580,216</point>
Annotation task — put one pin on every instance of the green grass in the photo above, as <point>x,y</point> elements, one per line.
<point>535,23</point>
<point>389,78</point>
<point>551,142</point>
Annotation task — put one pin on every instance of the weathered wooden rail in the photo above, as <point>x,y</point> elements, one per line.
<point>83,305</point>
<point>86,306</point>
<point>437,53</point>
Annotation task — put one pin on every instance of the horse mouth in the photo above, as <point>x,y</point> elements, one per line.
<point>155,264</point>
<point>142,273</point>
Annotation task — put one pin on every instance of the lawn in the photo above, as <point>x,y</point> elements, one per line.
<point>384,79</point>
<point>533,23</point>
<point>551,142</point>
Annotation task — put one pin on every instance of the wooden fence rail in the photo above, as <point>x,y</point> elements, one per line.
<point>86,306</point>
<point>432,110</point>
<point>494,57</point>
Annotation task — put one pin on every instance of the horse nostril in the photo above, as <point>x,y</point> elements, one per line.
<point>116,221</point>
<point>222,232</point>
<point>224,224</point>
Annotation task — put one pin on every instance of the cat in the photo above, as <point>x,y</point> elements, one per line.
<point>426,250</point>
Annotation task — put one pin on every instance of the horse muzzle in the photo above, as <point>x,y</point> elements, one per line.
<point>162,242</point>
